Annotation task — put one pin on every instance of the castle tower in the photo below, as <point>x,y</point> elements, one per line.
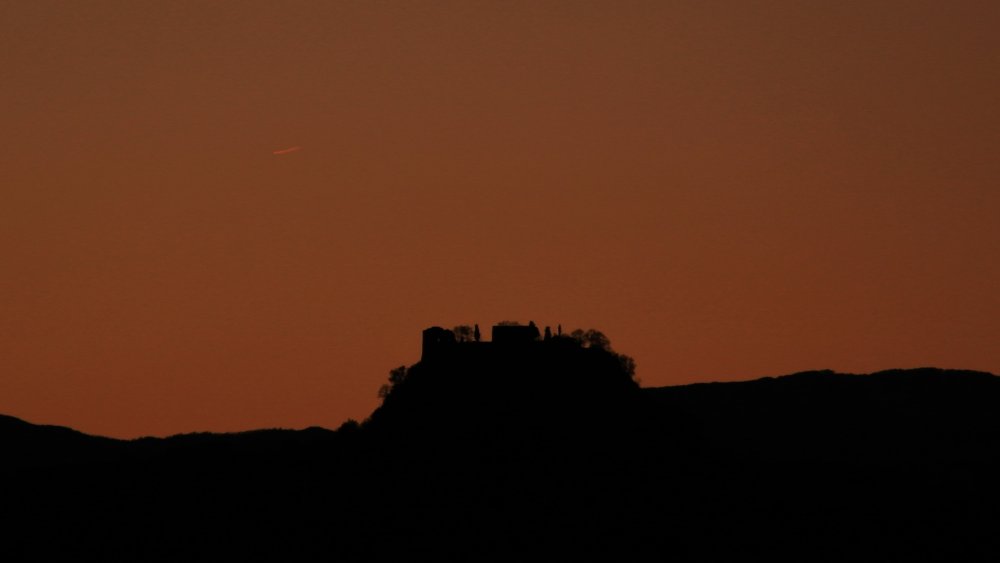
<point>437,342</point>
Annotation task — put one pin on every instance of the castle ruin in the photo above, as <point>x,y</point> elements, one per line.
<point>440,342</point>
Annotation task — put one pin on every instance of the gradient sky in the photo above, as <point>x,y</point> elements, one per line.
<point>727,189</point>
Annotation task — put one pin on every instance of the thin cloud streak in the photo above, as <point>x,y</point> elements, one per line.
<point>286,151</point>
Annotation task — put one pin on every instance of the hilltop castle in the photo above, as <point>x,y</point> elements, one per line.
<point>440,342</point>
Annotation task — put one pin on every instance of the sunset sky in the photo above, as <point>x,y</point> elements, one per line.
<point>223,216</point>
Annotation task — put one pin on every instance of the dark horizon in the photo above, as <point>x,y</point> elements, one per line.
<point>542,448</point>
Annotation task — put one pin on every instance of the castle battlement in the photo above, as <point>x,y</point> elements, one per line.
<point>440,342</point>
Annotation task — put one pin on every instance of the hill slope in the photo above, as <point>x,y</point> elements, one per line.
<point>815,466</point>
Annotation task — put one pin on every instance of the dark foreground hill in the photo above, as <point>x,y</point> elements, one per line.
<point>472,461</point>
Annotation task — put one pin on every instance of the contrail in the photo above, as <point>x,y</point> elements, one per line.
<point>286,151</point>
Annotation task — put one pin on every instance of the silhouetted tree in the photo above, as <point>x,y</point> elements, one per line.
<point>396,376</point>
<point>628,365</point>
<point>596,339</point>
<point>476,334</point>
<point>463,333</point>
<point>591,338</point>
<point>548,333</point>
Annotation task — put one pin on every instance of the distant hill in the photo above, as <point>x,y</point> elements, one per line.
<point>827,415</point>
<point>556,455</point>
<point>30,445</point>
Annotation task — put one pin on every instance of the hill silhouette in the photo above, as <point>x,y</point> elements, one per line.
<point>540,448</point>
<point>498,391</point>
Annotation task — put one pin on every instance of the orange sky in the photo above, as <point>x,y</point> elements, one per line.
<point>727,189</point>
